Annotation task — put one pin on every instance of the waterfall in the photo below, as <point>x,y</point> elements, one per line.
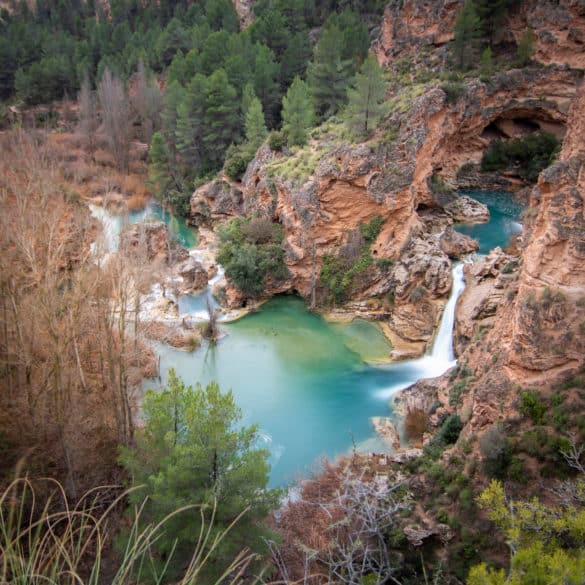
<point>441,356</point>
<point>443,345</point>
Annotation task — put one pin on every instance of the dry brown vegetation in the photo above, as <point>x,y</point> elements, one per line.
<point>416,421</point>
<point>336,530</point>
<point>70,343</point>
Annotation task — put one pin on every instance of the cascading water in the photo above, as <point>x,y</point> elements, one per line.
<point>443,345</point>
<point>302,379</point>
<point>441,356</point>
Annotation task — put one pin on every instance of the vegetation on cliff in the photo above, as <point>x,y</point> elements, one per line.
<point>251,251</point>
<point>527,156</point>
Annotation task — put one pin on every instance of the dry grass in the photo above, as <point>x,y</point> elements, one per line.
<point>53,540</point>
<point>416,421</point>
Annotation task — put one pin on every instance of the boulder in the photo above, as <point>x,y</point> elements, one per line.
<point>457,245</point>
<point>193,274</point>
<point>147,240</point>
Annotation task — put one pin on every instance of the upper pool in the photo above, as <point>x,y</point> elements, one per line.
<point>505,214</point>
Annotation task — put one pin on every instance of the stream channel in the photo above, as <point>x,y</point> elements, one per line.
<point>311,385</point>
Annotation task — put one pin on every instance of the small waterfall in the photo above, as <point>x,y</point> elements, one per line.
<point>441,356</point>
<point>443,345</point>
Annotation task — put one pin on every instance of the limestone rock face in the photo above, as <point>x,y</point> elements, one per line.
<point>411,26</point>
<point>467,210</point>
<point>214,201</point>
<point>387,430</point>
<point>146,239</point>
<point>546,333</point>
<point>194,275</point>
<point>244,8</point>
<point>457,245</point>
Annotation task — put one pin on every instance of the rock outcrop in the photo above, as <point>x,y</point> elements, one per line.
<point>411,27</point>
<point>146,239</point>
<point>547,336</point>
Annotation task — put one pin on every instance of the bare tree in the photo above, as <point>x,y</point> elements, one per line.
<point>147,102</point>
<point>68,362</point>
<point>116,118</point>
<point>88,119</point>
<point>336,530</point>
<point>359,539</point>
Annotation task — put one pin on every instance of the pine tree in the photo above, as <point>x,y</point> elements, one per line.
<point>467,35</point>
<point>221,119</point>
<point>329,73</point>
<point>174,95</point>
<point>486,64</point>
<point>265,83</point>
<point>297,112</point>
<point>526,48</point>
<point>191,128</point>
<point>295,58</point>
<point>248,96</point>
<point>492,13</point>
<point>192,450</point>
<point>255,126</point>
<point>366,99</point>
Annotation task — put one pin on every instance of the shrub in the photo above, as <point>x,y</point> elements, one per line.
<point>533,407</point>
<point>277,141</point>
<point>416,423</point>
<point>450,430</point>
<point>237,160</point>
<point>510,267</point>
<point>384,264</point>
<point>371,230</point>
<point>417,294</point>
<point>250,251</point>
<point>495,448</point>
<point>453,91</point>
<point>529,155</point>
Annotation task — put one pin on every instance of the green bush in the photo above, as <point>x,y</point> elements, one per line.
<point>371,230</point>
<point>277,141</point>
<point>529,155</point>
<point>532,406</point>
<point>250,251</point>
<point>418,293</point>
<point>237,160</point>
<point>339,270</point>
<point>495,448</point>
<point>453,91</point>
<point>450,430</point>
<point>384,264</point>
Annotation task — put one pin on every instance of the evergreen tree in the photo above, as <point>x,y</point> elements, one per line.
<point>191,450</point>
<point>526,48</point>
<point>191,127</point>
<point>366,99</point>
<point>174,95</point>
<point>266,84</point>
<point>492,14</point>
<point>256,130</point>
<point>329,73</point>
<point>247,97</point>
<point>486,65</point>
<point>222,125</point>
<point>467,36</point>
<point>295,58</point>
<point>297,113</point>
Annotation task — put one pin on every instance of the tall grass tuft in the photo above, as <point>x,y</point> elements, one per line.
<point>54,542</point>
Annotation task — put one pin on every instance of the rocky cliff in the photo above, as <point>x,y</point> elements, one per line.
<point>422,30</point>
<point>322,193</point>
